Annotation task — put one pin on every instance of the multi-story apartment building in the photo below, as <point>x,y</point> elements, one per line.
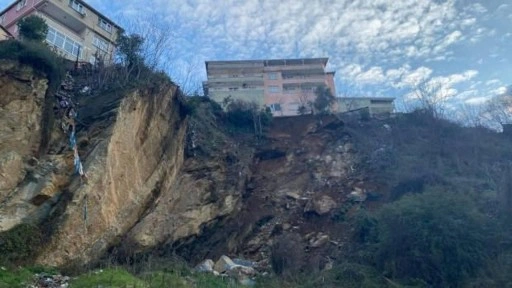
<point>4,34</point>
<point>281,84</point>
<point>76,30</point>
<point>375,105</point>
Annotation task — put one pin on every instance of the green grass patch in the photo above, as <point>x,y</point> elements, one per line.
<point>11,278</point>
<point>112,278</point>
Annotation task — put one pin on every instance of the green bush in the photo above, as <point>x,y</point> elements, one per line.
<point>33,28</point>
<point>37,55</point>
<point>440,238</point>
<point>19,244</point>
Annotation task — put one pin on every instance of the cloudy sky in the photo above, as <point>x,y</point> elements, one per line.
<point>376,47</point>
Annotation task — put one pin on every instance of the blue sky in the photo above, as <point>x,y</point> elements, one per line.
<point>376,47</point>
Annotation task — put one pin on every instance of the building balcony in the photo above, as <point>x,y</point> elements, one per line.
<point>230,78</point>
<point>63,13</point>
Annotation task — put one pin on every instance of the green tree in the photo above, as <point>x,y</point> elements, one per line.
<point>130,49</point>
<point>33,28</point>
<point>324,99</point>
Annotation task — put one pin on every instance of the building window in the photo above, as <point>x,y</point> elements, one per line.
<point>105,25</point>
<point>21,4</point>
<point>275,107</point>
<point>2,18</point>
<point>63,42</point>
<point>100,43</point>
<point>77,6</point>
<point>273,89</point>
<point>272,76</point>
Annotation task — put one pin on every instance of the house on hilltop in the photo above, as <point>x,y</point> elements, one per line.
<point>76,30</point>
<point>283,85</point>
<point>374,105</point>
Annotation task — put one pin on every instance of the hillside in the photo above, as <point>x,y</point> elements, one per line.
<point>315,201</point>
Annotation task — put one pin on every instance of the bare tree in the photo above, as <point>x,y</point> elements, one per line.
<point>187,75</point>
<point>305,103</point>
<point>472,115</point>
<point>157,49</point>
<point>432,97</point>
<point>499,108</point>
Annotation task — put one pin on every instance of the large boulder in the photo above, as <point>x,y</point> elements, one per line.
<point>320,205</point>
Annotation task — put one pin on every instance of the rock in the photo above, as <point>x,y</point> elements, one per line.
<point>293,195</point>
<point>286,226</point>
<point>224,264</point>
<point>320,241</point>
<point>321,205</point>
<point>205,266</point>
<point>348,147</point>
<point>11,171</point>
<point>357,195</point>
<point>243,274</point>
<point>243,262</point>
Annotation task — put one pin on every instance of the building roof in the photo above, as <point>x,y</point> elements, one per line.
<point>81,2</point>
<point>273,62</point>
<point>6,31</point>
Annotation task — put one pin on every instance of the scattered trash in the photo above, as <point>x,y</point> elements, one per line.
<point>44,280</point>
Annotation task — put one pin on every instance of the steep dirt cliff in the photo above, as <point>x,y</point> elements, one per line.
<point>22,99</point>
<point>139,192</point>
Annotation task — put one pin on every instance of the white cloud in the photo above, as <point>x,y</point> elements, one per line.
<point>373,76</point>
<point>499,91</point>
<point>448,40</point>
<point>413,78</point>
<point>492,82</point>
<point>476,100</point>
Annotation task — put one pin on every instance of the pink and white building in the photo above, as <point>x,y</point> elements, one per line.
<point>281,84</point>
<point>76,30</point>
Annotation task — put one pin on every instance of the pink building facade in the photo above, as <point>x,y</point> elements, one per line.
<point>76,30</point>
<point>283,85</point>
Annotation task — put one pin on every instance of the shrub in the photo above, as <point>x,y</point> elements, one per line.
<point>33,28</point>
<point>438,237</point>
<point>19,244</point>
<point>324,99</point>
<point>36,55</point>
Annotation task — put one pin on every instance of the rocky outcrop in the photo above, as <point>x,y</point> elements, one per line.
<point>21,115</point>
<point>140,191</point>
<point>139,155</point>
<point>21,109</point>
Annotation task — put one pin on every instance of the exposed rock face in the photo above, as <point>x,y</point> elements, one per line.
<point>22,97</point>
<point>140,192</point>
<point>139,158</point>
<point>21,107</point>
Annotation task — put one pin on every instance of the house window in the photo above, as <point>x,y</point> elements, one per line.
<point>63,42</point>
<point>273,89</point>
<point>2,18</point>
<point>272,76</point>
<point>21,4</point>
<point>77,6</point>
<point>105,25</point>
<point>100,43</point>
<point>275,107</point>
